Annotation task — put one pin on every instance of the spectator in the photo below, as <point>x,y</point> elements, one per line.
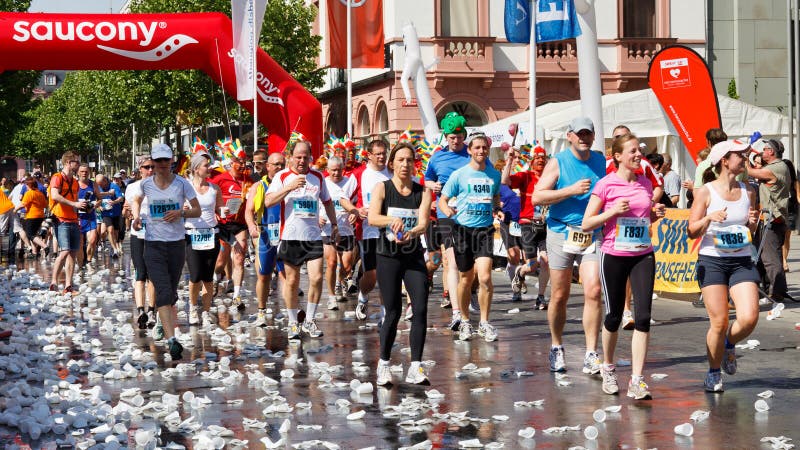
<point>672,181</point>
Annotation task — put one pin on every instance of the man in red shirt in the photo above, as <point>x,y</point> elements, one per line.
<point>531,221</point>
<point>232,227</point>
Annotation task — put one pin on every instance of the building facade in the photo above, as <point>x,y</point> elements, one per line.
<point>484,77</point>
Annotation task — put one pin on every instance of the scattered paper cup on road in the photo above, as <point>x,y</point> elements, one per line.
<point>527,432</point>
<point>684,429</point>
<point>358,415</point>
<point>599,415</point>
<point>761,405</point>
<point>591,432</point>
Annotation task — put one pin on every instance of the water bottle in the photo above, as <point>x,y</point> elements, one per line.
<point>391,237</point>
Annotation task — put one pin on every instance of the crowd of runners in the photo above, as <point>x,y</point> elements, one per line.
<point>381,229</point>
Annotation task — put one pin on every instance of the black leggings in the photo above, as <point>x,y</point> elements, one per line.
<point>391,273</point>
<point>614,273</point>
<point>201,262</point>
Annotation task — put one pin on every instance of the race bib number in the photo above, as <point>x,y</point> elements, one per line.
<point>233,205</point>
<point>274,233</point>
<point>578,242</point>
<point>408,216</point>
<point>732,238</point>
<point>480,190</point>
<point>337,205</point>
<point>202,238</point>
<point>305,207</point>
<point>514,229</point>
<point>160,207</point>
<point>632,234</point>
<point>105,204</point>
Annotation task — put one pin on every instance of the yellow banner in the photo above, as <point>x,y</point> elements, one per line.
<point>676,254</point>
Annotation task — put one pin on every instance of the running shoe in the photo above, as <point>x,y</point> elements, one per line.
<point>333,304</point>
<point>310,327</point>
<point>418,377</point>
<point>261,319</point>
<point>464,331</point>
<point>175,349</point>
<point>445,303</point>
<point>627,321</point>
<point>338,293</point>
<point>194,315</point>
<point>557,363</point>
<point>474,305</point>
<point>516,297</point>
<point>238,303</point>
<point>294,331</point>
<point>729,361</point>
<point>487,331</point>
<point>592,363</point>
<point>409,312</point>
<point>610,385</point>
<point>455,321</point>
<point>384,375</point>
<point>523,287</point>
<point>142,320</point>
<point>69,290</point>
<point>516,282</point>
<point>541,302</point>
<point>713,382</point>
<point>151,318</point>
<point>301,315</point>
<point>639,391</point>
<point>361,311</point>
<point>352,287</point>
<point>158,331</point>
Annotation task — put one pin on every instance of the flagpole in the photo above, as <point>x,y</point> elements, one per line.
<point>349,70</point>
<point>255,77</point>
<point>532,75</point>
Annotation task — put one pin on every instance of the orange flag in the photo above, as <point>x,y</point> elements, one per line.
<point>367,33</point>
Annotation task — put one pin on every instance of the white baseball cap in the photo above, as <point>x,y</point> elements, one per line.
<point>161,151</point>
<point>720,149</point>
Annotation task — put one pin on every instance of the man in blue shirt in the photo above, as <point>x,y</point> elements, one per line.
<point>110,212</point>
<point>565,185</point>
<point>476,190</point>
<point>442,164</point>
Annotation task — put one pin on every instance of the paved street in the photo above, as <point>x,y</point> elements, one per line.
<point>319,401</point>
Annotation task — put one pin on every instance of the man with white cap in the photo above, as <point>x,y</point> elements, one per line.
<point>565,185</point>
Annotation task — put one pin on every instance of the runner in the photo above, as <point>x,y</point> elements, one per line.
<point>34,202</point>
<point>87,218</point>
<point>441,165</point>
<point>723,215</point>
<point>264,228</point>
<point>136,242</point>
<point>510,230</point>
<point>111,200</point>
<point>165,245</point>
<point>476,187</point>
<point>531,222</point>
<point>202,245</point>
<point>565,184</point>
<point>625,199</point>
<point>367,178</point>
<point>401,207</point>
<point>338,257</point>
<point>299,191</point>
<point>64,205</point>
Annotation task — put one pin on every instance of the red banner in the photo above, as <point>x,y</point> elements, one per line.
<point>159,42</point>
<point>367,33</point>
<point>682,83</point>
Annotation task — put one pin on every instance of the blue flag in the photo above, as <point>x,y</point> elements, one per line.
<point>556,20</point>
<point>518,21</point>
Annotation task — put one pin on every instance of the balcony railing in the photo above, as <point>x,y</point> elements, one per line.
<point>635,54</point>
<point>464,54</point>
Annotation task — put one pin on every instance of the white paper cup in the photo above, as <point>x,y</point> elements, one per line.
<point>364,388</point>
<point>599,416</point>
<point>590,432</point>
<point>684,429</point>
<point>761,405</point>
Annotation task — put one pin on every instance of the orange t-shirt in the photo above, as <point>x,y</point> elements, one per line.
<point>69,190</point>
<point>35,202</point>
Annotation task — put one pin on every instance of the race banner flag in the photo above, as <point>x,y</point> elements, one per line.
<point>517,21</point>
<point>367,33</point>
<point>682,83</point>
<point>676,254</point>
<point>556,20</point>
<point>247,17</point>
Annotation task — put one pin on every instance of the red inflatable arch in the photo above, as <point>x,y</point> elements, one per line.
<point>30,41</point>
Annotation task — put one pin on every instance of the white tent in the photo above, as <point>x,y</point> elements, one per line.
<point>642,113</point>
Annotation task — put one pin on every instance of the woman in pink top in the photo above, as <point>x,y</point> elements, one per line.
<point>622,204</point>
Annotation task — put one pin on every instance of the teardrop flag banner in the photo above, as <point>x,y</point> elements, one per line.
<point>682,83</point>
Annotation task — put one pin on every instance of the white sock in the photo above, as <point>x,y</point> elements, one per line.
<point>292,315</point>
<point>236,291</point>
<point>510,270</point>
<point>311,310</point>
<point>590,351</point>
<point>382,363</point>
<point>362,298</point>
<point>414,367</point>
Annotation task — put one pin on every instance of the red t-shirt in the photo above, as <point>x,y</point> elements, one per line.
<point>232,194</point>
<point>525,182</point>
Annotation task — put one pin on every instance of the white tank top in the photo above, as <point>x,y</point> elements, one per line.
<point>208,203</point>
<point>730,238</point>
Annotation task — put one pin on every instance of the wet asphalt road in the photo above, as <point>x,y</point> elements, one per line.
<point>518,373</point>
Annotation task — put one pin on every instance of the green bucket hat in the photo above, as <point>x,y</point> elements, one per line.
<point>454,123</point>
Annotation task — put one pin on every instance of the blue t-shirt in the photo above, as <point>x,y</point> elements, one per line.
<point>474,191</point>
<point>442,164</point>
<point>90,215</point>
<point>570,211</point>
<point>115,209</point>
<point>511,203</point>
<point>39,186</point>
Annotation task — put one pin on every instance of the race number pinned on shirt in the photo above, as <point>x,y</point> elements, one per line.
<point>233,205</point>
<point>731,238</point>
<point>408,216</point>
<point>578,242</point>
<point>202,238</point>
<point>514,229</point>
<point>159,207</point>
<point>274,233</point>
<point>632,234</point>
<point>305,207</point>
<point>480,190</point>
<point>106,204</point>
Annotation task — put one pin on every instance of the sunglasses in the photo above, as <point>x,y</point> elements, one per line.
<point>161,160</point>
<point>147,167</point>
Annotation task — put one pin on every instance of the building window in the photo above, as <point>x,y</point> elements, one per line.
<point>50,79</point>
<point>363,122</point>
<point>459,18</point>
<point>639,19</point>
<point>383,118</point>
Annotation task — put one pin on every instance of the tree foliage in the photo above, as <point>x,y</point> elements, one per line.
<point>101,106</point>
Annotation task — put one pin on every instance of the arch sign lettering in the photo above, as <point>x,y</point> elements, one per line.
<point>203,41</point>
